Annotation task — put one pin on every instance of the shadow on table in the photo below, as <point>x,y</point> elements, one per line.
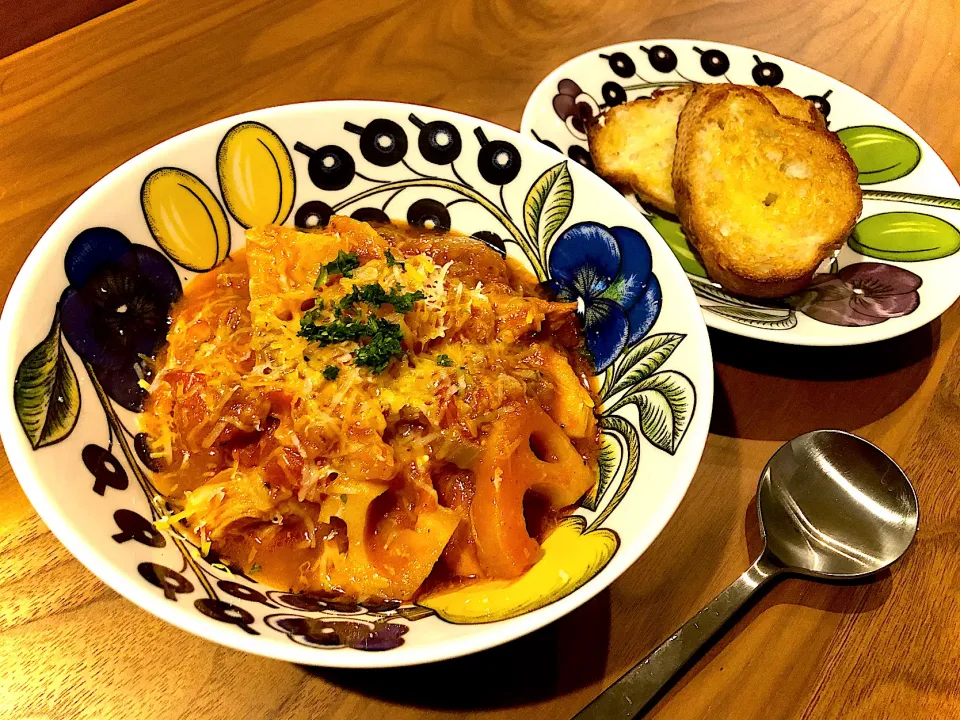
<point>561,658</point>
<point>846,598</point>
<point>767,391</point>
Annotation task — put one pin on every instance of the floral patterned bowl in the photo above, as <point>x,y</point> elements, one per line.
<point>895,273</point>
<point>92,299</point>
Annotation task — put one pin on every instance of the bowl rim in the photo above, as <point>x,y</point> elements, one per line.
<point>130,587</point>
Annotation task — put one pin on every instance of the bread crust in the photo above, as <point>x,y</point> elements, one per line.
<point>633,144</point>
<point>763,198</point>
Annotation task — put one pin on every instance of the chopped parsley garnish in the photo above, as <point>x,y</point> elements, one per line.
<point>384,336</point>
<point>334,332</point>
<point>383,347</point>
<point>374,294</point>
<point>349,324</point>
<point>391,260</point>
<point>444,361</point>
<point>254,569</point>
<point>344,264</point>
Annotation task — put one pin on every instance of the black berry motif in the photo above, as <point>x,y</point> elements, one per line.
<point>714,62</point>
<point>820,102</point>
<point>382,142</point>
<point>498,161</point>
<point>613,93</point>
<point>106,469</point>
<point>491,240</point>
<point>370,215</point>
<point>330,167</point>
<point>313,214</point>
<point>429,214</point>
<point>662,59</point>
<point>227,613</point>
<point>621,64</point>
<point>170,581</point>
<point>439,141</point>
<point>767,73</point>
<point>142,448</point>
<point>243,592</point>
<point>581,156</point>
<point>134,526</point>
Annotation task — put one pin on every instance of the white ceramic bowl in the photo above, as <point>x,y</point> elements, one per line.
<point>68,419</point>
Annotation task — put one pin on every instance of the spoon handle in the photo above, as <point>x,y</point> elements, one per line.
<point>633,692</point>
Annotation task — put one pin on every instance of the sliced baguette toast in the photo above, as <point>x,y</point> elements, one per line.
<point>762,197</point>
<point>632,145</point>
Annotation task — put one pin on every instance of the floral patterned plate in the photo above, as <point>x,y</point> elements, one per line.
<point>91,303</point>
<point>897,270</point>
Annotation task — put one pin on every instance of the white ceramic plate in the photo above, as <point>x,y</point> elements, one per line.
<point>96,291</point>
<point>899,270</point>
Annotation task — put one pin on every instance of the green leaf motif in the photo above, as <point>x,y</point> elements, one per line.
<point>644,359</point>
<point>609,462</point>
<point>785,320</point>
<point>665,402</point>
<point>769,317</point>
<point>626,435</point>
<point>45,391</point>
<point>547,205</point>
<point>881,154</point>
<point>674,236</point>
<point>904,237</point>
<point>709,291</point>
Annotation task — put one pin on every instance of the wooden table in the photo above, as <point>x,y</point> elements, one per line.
<point>77,105</point>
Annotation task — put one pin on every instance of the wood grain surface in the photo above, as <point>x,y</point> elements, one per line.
<point>79,104</point>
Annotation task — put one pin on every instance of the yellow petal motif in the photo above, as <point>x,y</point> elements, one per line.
<point>185,218</point>
<point>570,558</point>
<point>256,175</point>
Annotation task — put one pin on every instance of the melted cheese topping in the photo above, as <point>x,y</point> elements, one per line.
<point>358,484</point>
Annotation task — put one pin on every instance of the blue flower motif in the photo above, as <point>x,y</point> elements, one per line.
<point>116,310</point>
<point>609,273</point>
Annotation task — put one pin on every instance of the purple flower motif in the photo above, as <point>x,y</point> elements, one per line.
<point>609,272</point>
<point>573,106</point>
<point>335,633</point>
<point>116,310</point>
<point>860,294</point>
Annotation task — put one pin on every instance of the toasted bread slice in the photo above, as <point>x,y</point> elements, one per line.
<point>632,145</point>
<point>792,105</point>
<point>762,197</point>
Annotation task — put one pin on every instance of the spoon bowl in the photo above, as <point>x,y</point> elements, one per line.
<point>834,506</point>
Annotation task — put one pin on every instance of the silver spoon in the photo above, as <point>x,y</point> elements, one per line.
<point>832,507</point>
